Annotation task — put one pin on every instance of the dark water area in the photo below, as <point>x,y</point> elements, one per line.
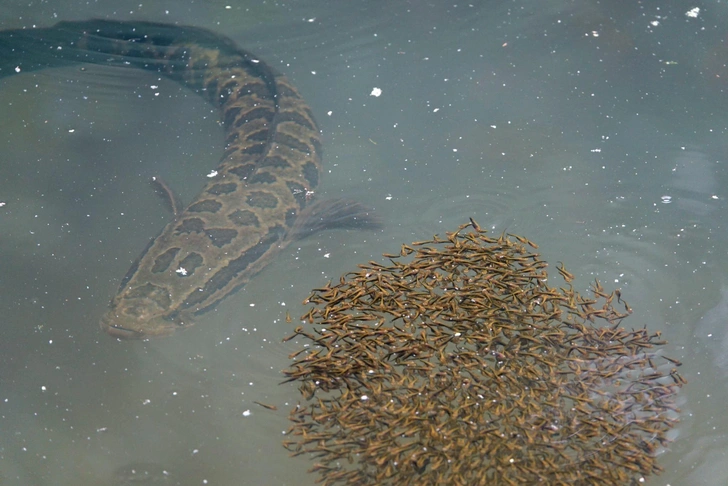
<point>596,129</point>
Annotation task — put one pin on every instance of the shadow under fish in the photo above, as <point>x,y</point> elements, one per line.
<point>259,199</point>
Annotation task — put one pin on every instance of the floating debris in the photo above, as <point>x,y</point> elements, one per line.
<point>457,364</point>
<point>144,473</point>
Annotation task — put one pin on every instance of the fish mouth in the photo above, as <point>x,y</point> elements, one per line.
<point>116,330</point>
<point>122,332</point>
<point>122,326</point>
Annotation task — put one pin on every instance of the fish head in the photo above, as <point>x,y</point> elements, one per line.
<point>143,312</point>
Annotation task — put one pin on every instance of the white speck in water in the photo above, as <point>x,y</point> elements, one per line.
<point>376,92</point>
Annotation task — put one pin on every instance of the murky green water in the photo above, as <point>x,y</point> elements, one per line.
<point>600,134</point>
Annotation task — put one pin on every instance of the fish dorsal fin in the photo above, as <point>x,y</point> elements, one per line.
<point>169,198</point>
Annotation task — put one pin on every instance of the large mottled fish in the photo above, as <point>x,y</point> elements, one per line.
<point>257,200</point>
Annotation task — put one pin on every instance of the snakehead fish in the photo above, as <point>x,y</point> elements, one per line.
<point>257,200</point>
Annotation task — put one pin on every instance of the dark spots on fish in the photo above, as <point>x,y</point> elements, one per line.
<point>223,188</point>
<point>311,174</point>
<point>163,261</point>
<point>251,84</point>
<point>258,136</point>
<point>292,116</point>
<point>148,291</point>
<point>224,95</point>
<point>190,263</point>
<point>227,274</point>
<point>299,193</point>
<point>259,89</point>
<point>244,217</point>
<point>263,178</point>
<point>260,199</point>
<point>275,161</point>
<point>243,171</point>
<point>229,86</point>
<point>265,112</point>
<point>232,139</point>
<point>254,149</point>
<point>291,216</point>
<point>292,142</point>
<point>230,115</point>
<point>134,267</point>
<point>221,236</point>
<point>205,206</point>
<point>191,225</point>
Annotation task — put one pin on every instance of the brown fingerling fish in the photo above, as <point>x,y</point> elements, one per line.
<point>258,199</point>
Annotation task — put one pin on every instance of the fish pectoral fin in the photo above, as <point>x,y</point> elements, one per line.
<point>170,199</point>
<point>333,213</point>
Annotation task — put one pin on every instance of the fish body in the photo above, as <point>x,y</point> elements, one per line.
<point>255,202</point>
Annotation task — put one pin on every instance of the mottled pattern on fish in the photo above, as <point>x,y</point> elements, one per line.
<point>244,214</point>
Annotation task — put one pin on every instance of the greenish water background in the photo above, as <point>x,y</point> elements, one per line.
<point>597,130</point>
